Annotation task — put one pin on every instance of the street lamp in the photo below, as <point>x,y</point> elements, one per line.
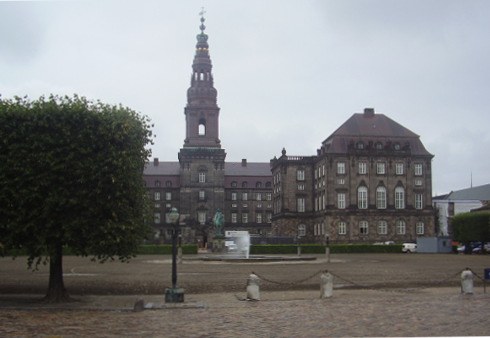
<point>174,294</point>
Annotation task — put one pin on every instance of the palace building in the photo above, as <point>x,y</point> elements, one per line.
<point>369,181</point>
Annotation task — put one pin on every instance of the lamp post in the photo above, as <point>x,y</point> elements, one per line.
<point>174,294</point>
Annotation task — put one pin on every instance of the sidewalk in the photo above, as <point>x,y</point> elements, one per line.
<point>409,312</point>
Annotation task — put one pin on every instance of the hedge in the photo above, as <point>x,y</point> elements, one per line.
<point>320,249</point>
<point>145,249</point>
<point>165,249</point>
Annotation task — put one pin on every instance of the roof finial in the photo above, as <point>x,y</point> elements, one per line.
<point>201,13</point>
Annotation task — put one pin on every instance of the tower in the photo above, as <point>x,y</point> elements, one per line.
<point>201,159</point>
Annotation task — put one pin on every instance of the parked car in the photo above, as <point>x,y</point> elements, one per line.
<point>474,247</point>
<point>409,247</point>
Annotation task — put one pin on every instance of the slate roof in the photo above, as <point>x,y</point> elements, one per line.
<point>480,193</point>
<point>250,169</point>
<point>165,168</point>
<point>371,127</point>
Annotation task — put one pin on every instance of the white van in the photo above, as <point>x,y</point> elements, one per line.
<point>409,247</point>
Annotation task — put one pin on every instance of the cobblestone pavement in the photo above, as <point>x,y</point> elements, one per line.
<point>429,304</point>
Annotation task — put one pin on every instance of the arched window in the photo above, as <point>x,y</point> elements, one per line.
<point>381,197</point>
<point>362,197</point>
<point>244,184</point>
<point>399,198</point>
<point>202,128</point>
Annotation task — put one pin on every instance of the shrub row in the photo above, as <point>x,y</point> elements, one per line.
<point>145,249</point>
<point>165,249</point>
<point>320,249</point>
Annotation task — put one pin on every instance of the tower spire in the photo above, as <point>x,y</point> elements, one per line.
<point>202,111</point>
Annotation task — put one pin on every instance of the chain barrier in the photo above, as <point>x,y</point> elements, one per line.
<point>289,283</point>
<point>443,281</point>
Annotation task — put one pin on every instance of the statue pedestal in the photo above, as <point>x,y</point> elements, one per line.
<point>219,244</point>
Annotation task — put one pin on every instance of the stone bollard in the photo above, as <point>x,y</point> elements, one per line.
<point>467,282</point>
<point>326,285</point>
<point>253,282</point>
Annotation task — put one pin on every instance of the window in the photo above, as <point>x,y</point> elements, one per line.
<point>201,217</point>
<point>418,169</point>
<point>157,183</point>
<point>418,182</point>
<point>202,128</point>
<point>258,185</point>
<point>363,228</point>
<point>244,184</point>
<point>168,196</point>
<point>381,168</point>
<point>360,145</point>
<point>362,197</point>
<point>233,217</point>
<point>399,198</point>
<point>157,205</point>
<point>202,177</point>
<point>341,200</point>
<point>244,196</point>
<point>268,196</point>
<point>233,196</point>
<point>202,195</point>
<point>362,168</point>
<point>258,196</point>
<point>342,228</point>
<point>420,228</point>
<point>300,174</point>
<point>399,169</point>
<point>234,184</point>
<point>419,201</point>
<point>168,184</point>
<point>157,217</point>
<point>379,146</point>
<point>301,186</point>
<point>300,204</point>
<point>340,181</point>
<point>340,168</point>
<point>400,227</point>
<point>259,218</point>
<point>269,217</point>
<point>381,197</point>
<point>244,218</point>
<point>157,196</point>
<point>301,230</point>
<point>382,228</point>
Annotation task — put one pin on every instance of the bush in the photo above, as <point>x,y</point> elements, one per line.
<point>320,249</point>
<point>165,249</point>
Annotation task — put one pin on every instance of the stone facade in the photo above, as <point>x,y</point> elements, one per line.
<point>369,181</point>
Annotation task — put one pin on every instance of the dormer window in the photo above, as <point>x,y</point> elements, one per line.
<point>360,145</point>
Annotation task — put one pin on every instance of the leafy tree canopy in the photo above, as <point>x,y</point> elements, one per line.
<point>71,176</point>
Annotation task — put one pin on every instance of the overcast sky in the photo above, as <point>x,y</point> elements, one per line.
<point>288,72</point>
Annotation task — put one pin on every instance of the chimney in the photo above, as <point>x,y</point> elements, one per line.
<point>368,112</point>
<point>244,162</point>
<point>155,161</point>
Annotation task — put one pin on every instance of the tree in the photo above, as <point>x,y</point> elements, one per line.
<point>71,177</point>
<point>471,227</point>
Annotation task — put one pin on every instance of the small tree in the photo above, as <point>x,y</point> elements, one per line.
<point>471,227</point>
<point>71,176</point>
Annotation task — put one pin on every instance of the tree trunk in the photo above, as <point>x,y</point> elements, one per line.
<point>56,288</point>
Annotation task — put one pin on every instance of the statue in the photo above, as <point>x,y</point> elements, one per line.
<point>218,222</point>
